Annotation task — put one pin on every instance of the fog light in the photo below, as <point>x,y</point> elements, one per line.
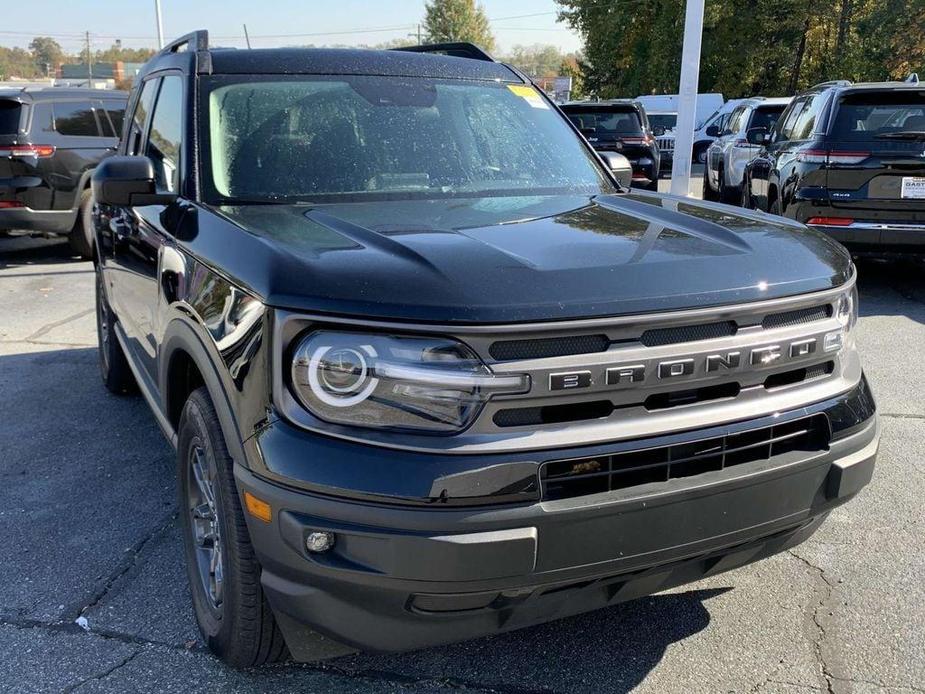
<point>319,541</point>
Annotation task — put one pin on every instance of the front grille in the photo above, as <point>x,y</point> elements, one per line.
<point>548,347</point>
<point>564,479</point>
<point>801,316</point>
<point>665,144</point>
<point>688,333</point>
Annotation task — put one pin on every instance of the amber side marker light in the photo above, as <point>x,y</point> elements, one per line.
<point>258,508</point>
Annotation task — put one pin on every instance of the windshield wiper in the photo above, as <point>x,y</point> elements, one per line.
<point>904,135</point>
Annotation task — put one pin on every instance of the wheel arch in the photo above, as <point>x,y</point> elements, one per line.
<point>186,364</point>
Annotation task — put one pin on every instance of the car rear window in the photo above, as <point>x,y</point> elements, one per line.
<point>885,114</point>
<point>606,122</point>
<point>766,116</point>
<point>9,116</point>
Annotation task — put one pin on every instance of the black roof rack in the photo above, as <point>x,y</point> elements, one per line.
<point>457,50</point>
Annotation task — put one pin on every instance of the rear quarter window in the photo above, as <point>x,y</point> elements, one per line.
<point>75,118</point>
<point>10,112</point>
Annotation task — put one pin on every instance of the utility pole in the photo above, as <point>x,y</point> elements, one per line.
<point>418,34</point>
<point>246,37</point>
<point>687,99</point>
<point>89,63</point>
<point>160,24</point>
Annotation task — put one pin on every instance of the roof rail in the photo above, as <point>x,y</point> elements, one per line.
<point>194,41</point>
<point>833,83</point>
<point>458,50</point>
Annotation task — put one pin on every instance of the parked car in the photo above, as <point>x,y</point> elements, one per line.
<point>619,126</point>
<point>710,129</point>
<point>663,124</point>
<point>849,160</point>
<point>431,373</point>
<point>50,142</point>
<point>728,156</point>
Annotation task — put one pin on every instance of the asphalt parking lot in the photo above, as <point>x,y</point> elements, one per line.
<point>93,594</point>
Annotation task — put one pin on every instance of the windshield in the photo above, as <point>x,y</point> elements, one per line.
<point>605,122</point>
<point>879,114</point>
<point>326,139</point>
<point>665,121</point>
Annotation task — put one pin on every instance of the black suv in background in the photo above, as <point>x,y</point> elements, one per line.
<point>619,126</point>
<point>848,159</point>
<point>431,373</point>
<point>50,141</point>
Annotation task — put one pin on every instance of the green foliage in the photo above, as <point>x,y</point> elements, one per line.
<point>538,60</point>
<point>771,47</point>
<point>47,54</point>
<point>17,62</point>
<point>116,53</point>
<point>457,20</point>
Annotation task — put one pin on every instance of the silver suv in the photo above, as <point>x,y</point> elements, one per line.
<point>729,154</point>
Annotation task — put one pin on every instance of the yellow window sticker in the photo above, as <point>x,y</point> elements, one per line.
<point>528,94</point>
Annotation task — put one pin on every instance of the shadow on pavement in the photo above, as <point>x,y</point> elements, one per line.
<point>892,287</point>
<point>610,650</point>
<point>23,251</point>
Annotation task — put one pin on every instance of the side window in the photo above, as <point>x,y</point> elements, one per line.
<point>735,121</point>
<point>75,118</point>
<point>165,136</point>
<point>140,117</point>
<point>788,119</point>
<point>806,121</point>
<point>110,114</point>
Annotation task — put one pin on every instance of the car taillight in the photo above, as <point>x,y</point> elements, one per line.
<point>7,204</point>
<point>21,151</point>
<point>830,221</point>
<point>824,156</point>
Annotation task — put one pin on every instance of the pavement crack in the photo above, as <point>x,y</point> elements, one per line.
<point>428,681</point>
<point>814,616</point>
<point>48,327</point>
<point>128,561</point>
<point>105,673</point>
<point>902,415</point>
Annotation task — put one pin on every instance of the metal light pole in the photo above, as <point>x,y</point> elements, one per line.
<point>160,24</point>
<point>687,99</point>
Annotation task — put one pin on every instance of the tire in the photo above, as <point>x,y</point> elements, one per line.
<point>81,236</point>
<point>114,368</point>
<point>746,199</point>
<point>708,192</point>
<point>233,614</point>
<point>727,195</point>
<point>700,155</point>
<point>774,207</point>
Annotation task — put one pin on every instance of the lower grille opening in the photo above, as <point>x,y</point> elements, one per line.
<point>789,378</point>
<point>564,479</point>
<point>663,401</point>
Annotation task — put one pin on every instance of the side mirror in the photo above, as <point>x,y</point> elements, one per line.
<point>713,131</point>
<point>658,130</point>
<point>758,136</point>
<point>619,166</point>
<point>126,181</point>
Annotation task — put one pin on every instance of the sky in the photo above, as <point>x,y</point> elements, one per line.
<point>269,23</point>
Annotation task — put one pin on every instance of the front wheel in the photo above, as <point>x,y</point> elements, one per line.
<point>233,614</point>
<point>708,192</point>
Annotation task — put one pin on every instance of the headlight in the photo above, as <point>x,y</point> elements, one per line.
<point>846,312</point>
<point>430,384</point>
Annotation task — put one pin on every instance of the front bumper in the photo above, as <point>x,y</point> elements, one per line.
<point>402,577</point>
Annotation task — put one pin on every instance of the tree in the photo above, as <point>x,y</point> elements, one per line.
<point>457,20</point>
<point>46,53</point>
<point>538,60</point>
<point>116,52</point>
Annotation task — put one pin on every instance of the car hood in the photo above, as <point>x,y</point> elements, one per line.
<point>510,259</point>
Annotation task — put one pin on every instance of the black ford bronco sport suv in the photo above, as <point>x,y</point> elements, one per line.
<point>50,142</point>
<point>432,374</point>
